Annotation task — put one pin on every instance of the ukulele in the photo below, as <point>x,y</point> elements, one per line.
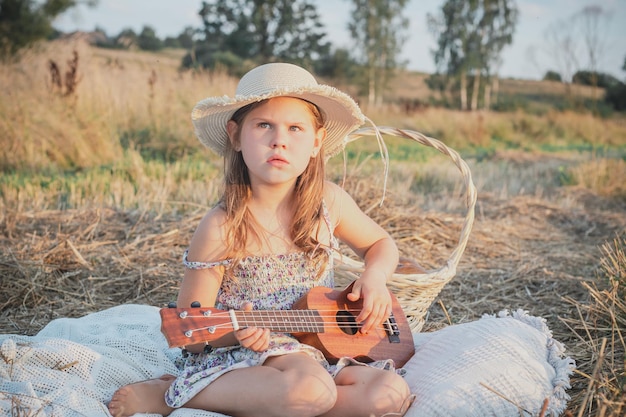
<point>323,318</point>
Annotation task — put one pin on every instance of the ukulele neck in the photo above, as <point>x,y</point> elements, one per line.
<point>288,321</point>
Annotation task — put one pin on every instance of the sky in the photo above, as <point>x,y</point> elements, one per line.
<point>528,57</point>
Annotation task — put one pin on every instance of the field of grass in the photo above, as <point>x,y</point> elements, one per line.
<point>102,186</point>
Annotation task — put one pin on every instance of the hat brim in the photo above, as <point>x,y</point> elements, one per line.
<point>341,114</point>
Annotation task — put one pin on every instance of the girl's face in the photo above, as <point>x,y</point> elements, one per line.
<point>277,140</point>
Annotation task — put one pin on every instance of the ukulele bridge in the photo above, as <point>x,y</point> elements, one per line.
<point>392,329</point>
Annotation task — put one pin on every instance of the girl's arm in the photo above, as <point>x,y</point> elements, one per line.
<point>207,245</point>
<point>202,285</point>
<point>374,245</point>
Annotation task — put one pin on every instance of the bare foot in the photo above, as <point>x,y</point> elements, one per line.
<point>142,397</point>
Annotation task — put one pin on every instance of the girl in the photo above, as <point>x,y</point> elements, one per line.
<point>268,241</point>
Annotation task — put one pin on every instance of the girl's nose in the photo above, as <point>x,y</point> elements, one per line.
<point>279,139</point>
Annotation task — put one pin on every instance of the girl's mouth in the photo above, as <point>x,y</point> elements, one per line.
<point>277,160</point>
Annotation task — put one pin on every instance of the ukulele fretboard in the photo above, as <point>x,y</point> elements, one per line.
<point>289,321</point>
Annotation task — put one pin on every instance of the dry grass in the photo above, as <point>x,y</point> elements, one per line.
<point>605,176</point>
<point>552,257</point>
<point>412,85</point>
<point>553,131</point>
<point>513,86</point>
<point>124,99</point>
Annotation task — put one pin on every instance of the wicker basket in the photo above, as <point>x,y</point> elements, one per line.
<point>417,291</point>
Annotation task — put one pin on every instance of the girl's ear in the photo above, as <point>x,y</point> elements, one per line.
<point>231,129</point>
<point>320,136</point>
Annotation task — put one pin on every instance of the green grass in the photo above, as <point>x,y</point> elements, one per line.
<point>130,183</point>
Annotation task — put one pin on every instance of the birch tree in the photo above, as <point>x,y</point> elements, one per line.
<point>378,29</point>
<point>471,35</point>
<point>594,22</point>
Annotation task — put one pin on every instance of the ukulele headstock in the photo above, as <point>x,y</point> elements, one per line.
<point>194,325</point>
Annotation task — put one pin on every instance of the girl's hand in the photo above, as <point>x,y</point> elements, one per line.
<point>253,338</point>
<point>376,300</point>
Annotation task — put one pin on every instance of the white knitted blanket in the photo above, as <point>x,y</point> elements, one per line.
<point>72,367</point>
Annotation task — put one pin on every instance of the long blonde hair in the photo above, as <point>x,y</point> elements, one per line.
<point>308,196</point>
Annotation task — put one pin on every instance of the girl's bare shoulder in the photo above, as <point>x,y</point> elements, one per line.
<point>215,218</point>
<point>333,192</point>
<point>337,200</point>
<point>208,241</point>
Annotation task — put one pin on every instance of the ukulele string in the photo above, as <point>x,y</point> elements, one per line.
<point>230,326</point>
<point>272,318</point>
<point>278,313</point>
<point>283,314</point>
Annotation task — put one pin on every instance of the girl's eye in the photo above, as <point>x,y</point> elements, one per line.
<point>295,128</point>
<point>264,125</point>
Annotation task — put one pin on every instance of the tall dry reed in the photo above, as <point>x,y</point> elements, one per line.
<point>118,99</point>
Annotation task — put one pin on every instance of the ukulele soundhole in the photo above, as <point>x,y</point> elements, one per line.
<point>346,322</point>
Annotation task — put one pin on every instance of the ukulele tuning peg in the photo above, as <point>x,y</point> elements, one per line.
<point>171,304</point>
<point>195,304</point>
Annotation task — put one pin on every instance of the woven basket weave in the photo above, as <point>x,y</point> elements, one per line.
<point>417,291</point>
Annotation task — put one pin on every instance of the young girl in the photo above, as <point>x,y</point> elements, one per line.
<point>266,244</point>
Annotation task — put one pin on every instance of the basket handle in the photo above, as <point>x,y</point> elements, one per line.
<point>447,271</point>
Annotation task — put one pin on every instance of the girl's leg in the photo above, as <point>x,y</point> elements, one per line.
<point>363,391</point>
<point>290,385</point>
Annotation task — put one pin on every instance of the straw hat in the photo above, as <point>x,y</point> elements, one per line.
<point>341,113</point>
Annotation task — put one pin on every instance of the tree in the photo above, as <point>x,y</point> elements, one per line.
<point>261,30</point>
<point>552,76</point>
<point>186,39</point>
<point>339,65</point>
<point>23,22</point>
<point>471,35</point>
<point>378,30</point>
<point>572,41</point>
<point>148,40</point>
<point>595,79</point>
<point>616,95</point>
<point>450,31</point>
<point>304,35</point>
<point>496,27</point>
<point>594,21</point>
<point>126,39</point>
<point>171,42</point>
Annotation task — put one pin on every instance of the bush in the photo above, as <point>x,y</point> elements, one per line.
<point>148,41</point>
<point>595,79</point>
<point>552,76</point>
<point>206,57</point>
<point>616,97</point>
